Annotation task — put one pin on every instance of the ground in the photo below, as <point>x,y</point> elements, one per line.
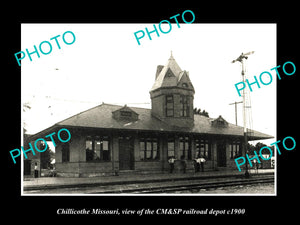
<point>208,182</point>
<point>266,188</point>
<point>243,189</point>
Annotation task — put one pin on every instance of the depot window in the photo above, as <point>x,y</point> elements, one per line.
<point>203,148</point>
<point>149,148</point>
<point>97,148</point>
<point>235,149</point>
<point>169,106</point>
<point>184,106</point>
<point>185,148</point>
<point>171,147</point>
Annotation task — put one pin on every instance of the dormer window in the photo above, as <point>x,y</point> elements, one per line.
<point>126,114</point>
<point>220,122</point>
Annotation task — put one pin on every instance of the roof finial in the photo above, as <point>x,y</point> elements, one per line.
<point>171,57</point>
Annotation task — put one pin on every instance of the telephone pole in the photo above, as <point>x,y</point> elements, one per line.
<point>235,103</point>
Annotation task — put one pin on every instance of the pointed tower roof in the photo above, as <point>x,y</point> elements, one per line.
<point>170,74</point>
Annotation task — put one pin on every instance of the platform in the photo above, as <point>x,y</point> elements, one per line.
<point>63,182</point>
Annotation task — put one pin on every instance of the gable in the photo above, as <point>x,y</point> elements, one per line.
<point>169,79</point>
<point>169,73</point>
<point>184,81</point>
<point>220,122</point>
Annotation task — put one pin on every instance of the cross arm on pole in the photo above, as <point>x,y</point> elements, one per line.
<point>235,103</point>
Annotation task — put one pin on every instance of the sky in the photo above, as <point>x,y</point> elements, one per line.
<point>106,64</point>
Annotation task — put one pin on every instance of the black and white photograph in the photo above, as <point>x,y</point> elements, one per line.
<point>159,117</point>
<point>138,112</point>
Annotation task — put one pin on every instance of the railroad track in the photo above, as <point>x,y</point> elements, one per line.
<point>171,187</point>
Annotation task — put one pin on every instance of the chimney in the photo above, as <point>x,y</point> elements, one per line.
<point>158,70</point>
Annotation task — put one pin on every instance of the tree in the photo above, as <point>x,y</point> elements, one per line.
<point>46,157</point>
<point>258,146</point>
<point>251,149</point>
<point>198,112</point>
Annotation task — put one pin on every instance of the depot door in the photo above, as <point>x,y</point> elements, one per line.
<point>221,155</point>
<point>126,153</point>
<point>27,167</point>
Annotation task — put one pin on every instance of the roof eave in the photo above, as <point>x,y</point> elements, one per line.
<point>45,132</point>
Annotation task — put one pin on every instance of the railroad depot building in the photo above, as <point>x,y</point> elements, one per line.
<point>112,139</point>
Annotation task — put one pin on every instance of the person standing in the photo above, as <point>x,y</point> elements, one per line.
<point>202,161</point>
<point>255,166</point>
<point>171,162</point>
<point>197,164</point>
<point>36,171</point>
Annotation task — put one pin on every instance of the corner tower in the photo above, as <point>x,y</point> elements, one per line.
<point>172,95</point>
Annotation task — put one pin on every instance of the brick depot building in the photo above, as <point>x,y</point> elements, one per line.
<point>110,139</point>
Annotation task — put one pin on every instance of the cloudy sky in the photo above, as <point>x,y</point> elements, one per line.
<point>105,64</point>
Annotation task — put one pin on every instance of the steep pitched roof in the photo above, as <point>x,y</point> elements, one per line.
<point>169,75</point>
<point>101,117</point>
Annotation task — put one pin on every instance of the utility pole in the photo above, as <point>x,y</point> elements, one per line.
<point>235,103</point>
<point>241,60</point>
